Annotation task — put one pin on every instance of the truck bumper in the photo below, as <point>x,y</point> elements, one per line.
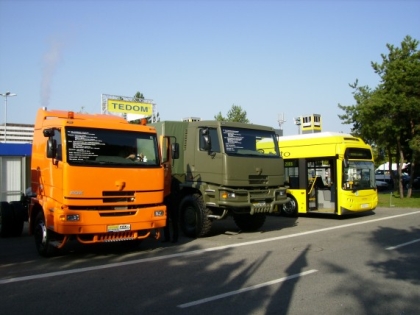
<point>98,226</point>
<point>254,201</point>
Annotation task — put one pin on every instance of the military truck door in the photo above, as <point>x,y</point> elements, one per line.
<point>208,163</point>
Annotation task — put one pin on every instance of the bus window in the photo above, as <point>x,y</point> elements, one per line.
<point>358,175</point>
<point>291,171</point>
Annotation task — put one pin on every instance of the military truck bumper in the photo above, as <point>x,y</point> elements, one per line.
<point>256,200</point>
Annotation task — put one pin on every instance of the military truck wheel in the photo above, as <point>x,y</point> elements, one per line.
<point>194,216</point>
<point>7,219</point>
<point>43,238</point>
<point>19,218</point>
<point>290,209</point>
<point>248,222</point>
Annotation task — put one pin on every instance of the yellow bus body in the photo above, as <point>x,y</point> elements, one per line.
<point>320,181</point>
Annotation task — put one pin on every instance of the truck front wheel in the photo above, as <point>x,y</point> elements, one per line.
<point>194,219</point>
<point>43,239</point>
<point>248,222</point>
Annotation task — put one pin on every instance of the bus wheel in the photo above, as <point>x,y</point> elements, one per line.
<point>19,213</point>
<point>290,209</point>
<point>249,223</point>
<point>7,219</point>
<point>43,239</point>
<point>194,218</point>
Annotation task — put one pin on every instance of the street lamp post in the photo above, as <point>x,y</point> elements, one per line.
<point>6,95</point>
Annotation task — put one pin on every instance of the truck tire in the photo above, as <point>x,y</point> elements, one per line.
<point>7,219</point>
<point>43,237</point>
<point>289,209</point>
<point>194,219</point>
<point>249,223</point>
<point>19,218</point>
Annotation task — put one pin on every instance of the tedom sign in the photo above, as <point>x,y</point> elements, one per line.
<point>119,106</point>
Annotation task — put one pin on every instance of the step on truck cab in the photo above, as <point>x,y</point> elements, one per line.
<point>95,178</point>
<point>218,171</point>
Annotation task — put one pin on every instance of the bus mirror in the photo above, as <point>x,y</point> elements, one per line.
<point>346,163</point>
<point>346,160</point>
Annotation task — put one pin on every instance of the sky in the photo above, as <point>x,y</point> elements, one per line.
<point>274,59</point>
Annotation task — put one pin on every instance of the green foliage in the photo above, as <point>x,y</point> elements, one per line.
<point>388,117</point>
<point>138,97</point>
<point>236,114</point>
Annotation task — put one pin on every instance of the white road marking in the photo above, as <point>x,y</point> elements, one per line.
<point>257,286</point>
<point>401,245</point>
<point>191,253</point>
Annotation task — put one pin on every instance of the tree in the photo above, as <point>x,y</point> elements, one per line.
<point>234,114</point>
<point>138,97</point>
<point>388,117</point>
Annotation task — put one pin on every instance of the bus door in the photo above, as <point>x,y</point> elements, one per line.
<point>321,189</point>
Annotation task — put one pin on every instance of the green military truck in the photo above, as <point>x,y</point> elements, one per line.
<point>218,170</point>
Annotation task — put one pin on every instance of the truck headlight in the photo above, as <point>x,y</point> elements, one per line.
<point>227,195</point>
<point>159,213</point>
<point>71,217</point>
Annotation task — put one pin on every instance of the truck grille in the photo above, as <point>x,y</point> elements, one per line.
<point>118,196</point>
<point>257,179</point>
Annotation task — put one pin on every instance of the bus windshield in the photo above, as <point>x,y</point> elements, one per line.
<point>243,142</point>
<point>91,146</point>
<point>359,175</point>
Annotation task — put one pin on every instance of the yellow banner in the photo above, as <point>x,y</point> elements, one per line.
<point>118,106</point>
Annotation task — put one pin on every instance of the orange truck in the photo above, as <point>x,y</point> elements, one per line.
<point>95,178</point>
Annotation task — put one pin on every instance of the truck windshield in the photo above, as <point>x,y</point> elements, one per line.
<point>92,146</point>
<point>243,141</point>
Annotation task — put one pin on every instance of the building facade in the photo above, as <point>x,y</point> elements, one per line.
<point>16,133</point>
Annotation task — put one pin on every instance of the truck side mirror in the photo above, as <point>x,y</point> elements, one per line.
<point>175,151</point>
<point>206,138</point>
<point>48,132</point>
<point>51,148</point>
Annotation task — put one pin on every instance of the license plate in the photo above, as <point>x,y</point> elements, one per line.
<point>119,227</point>
<point>260,204</point>
<point>365,205</point>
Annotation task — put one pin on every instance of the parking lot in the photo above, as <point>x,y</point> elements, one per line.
<point>364,264</point>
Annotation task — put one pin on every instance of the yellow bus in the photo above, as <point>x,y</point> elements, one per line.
<point>330,173</point>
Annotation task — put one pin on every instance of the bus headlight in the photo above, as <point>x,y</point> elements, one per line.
<point>159,213</point>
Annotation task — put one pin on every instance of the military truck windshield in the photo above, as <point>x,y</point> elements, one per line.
<point>90,146</point>
<point>243,141</point>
